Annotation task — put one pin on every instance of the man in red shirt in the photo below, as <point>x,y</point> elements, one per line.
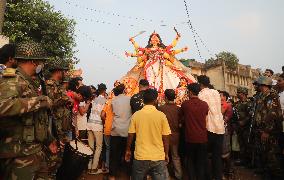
<point>194,112</point>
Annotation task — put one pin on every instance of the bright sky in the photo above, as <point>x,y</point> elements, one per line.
<point>253,30</point>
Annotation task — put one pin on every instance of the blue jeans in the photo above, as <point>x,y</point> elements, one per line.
<point>107,149</point>
<point>156,169</point>
<point>69,135</point>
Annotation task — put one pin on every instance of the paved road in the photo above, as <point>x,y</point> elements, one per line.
<point>241,173</point>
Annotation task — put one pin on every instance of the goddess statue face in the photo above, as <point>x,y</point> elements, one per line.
<point>155,40</point>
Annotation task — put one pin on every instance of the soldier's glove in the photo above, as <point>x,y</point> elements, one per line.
<point>45,101</point>
<point>53,147</point>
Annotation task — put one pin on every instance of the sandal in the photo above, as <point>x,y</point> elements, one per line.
<point>93,171</point>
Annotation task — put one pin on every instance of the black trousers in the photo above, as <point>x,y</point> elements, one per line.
<point>196,160</point>
<point>215,146</point>
<point>117,152</point>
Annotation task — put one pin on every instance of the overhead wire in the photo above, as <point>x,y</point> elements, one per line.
<point>98,44</point>
<point>200,39</point>
<point>189,23</point>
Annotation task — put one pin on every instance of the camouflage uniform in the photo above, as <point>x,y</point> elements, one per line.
<point>60,112</point>
<point>23,120</point>
<point>268,119</point>
<point>242,124</point>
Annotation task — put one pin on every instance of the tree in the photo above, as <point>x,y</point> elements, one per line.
<point>2,10</point>
<point>37,20</point>
<point>230,59</point>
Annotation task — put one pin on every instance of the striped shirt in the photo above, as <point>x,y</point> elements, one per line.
<point>214,120</point>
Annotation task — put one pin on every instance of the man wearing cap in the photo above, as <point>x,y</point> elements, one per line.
<point>243,107</point>
<point>24,123</point>
<point>268,121</point>
<point>61,102</point>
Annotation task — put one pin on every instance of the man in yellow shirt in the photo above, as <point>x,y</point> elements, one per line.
<point>152,131</point>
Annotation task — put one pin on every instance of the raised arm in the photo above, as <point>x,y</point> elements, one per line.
<point>128,54</point>
<point>175,41</point>
<point>177,51</point>
<point>136,46</point>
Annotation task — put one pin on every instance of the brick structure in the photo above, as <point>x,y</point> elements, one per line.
<point>223,78</point>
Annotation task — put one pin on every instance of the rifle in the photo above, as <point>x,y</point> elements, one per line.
<point>252,118</point>
<point>51,123</point>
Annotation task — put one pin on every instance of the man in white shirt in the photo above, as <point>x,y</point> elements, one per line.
<point>214,123</point>
<point>95,127</point>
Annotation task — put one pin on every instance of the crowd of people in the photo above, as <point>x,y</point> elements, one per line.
<point>202,137</point>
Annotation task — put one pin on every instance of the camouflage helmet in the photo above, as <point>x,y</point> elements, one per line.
<point>243,90</point>
<point>30,50</point>
<point>66,79</point>
<point>255,82</point>
<point>58,64</point>
<point>264,80</point>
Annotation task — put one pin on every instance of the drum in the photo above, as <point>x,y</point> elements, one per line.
<point>75,160</point>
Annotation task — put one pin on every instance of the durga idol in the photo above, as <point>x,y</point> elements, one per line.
<point>157,63</point>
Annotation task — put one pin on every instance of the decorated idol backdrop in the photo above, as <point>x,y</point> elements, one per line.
<point>156,62</point>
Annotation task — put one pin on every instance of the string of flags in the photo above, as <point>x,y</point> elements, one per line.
<point>161,23</point>
<point>108,13</point>
<point>191,28</point>
<point>98,44</point>
<point>128,23</point>
<point>194,30</point>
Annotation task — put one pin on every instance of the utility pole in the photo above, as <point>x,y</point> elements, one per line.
<point>2,12</point>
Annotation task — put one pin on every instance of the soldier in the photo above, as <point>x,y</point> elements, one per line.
<point>267,125</point>
<point>243,107</point>
<point>57,93</point>
<point>24,136</point>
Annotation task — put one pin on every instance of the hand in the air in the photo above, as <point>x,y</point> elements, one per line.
<point>127,54</point>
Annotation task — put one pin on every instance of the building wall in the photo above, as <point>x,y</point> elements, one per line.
<point>3,40</point>
<point>197,72</point>
<point>226,80</point>
<point>216,77</point>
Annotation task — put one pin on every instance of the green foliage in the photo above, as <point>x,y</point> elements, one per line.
<point>37,20</point>
<point>230,59</point>
<point>211,62</point>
